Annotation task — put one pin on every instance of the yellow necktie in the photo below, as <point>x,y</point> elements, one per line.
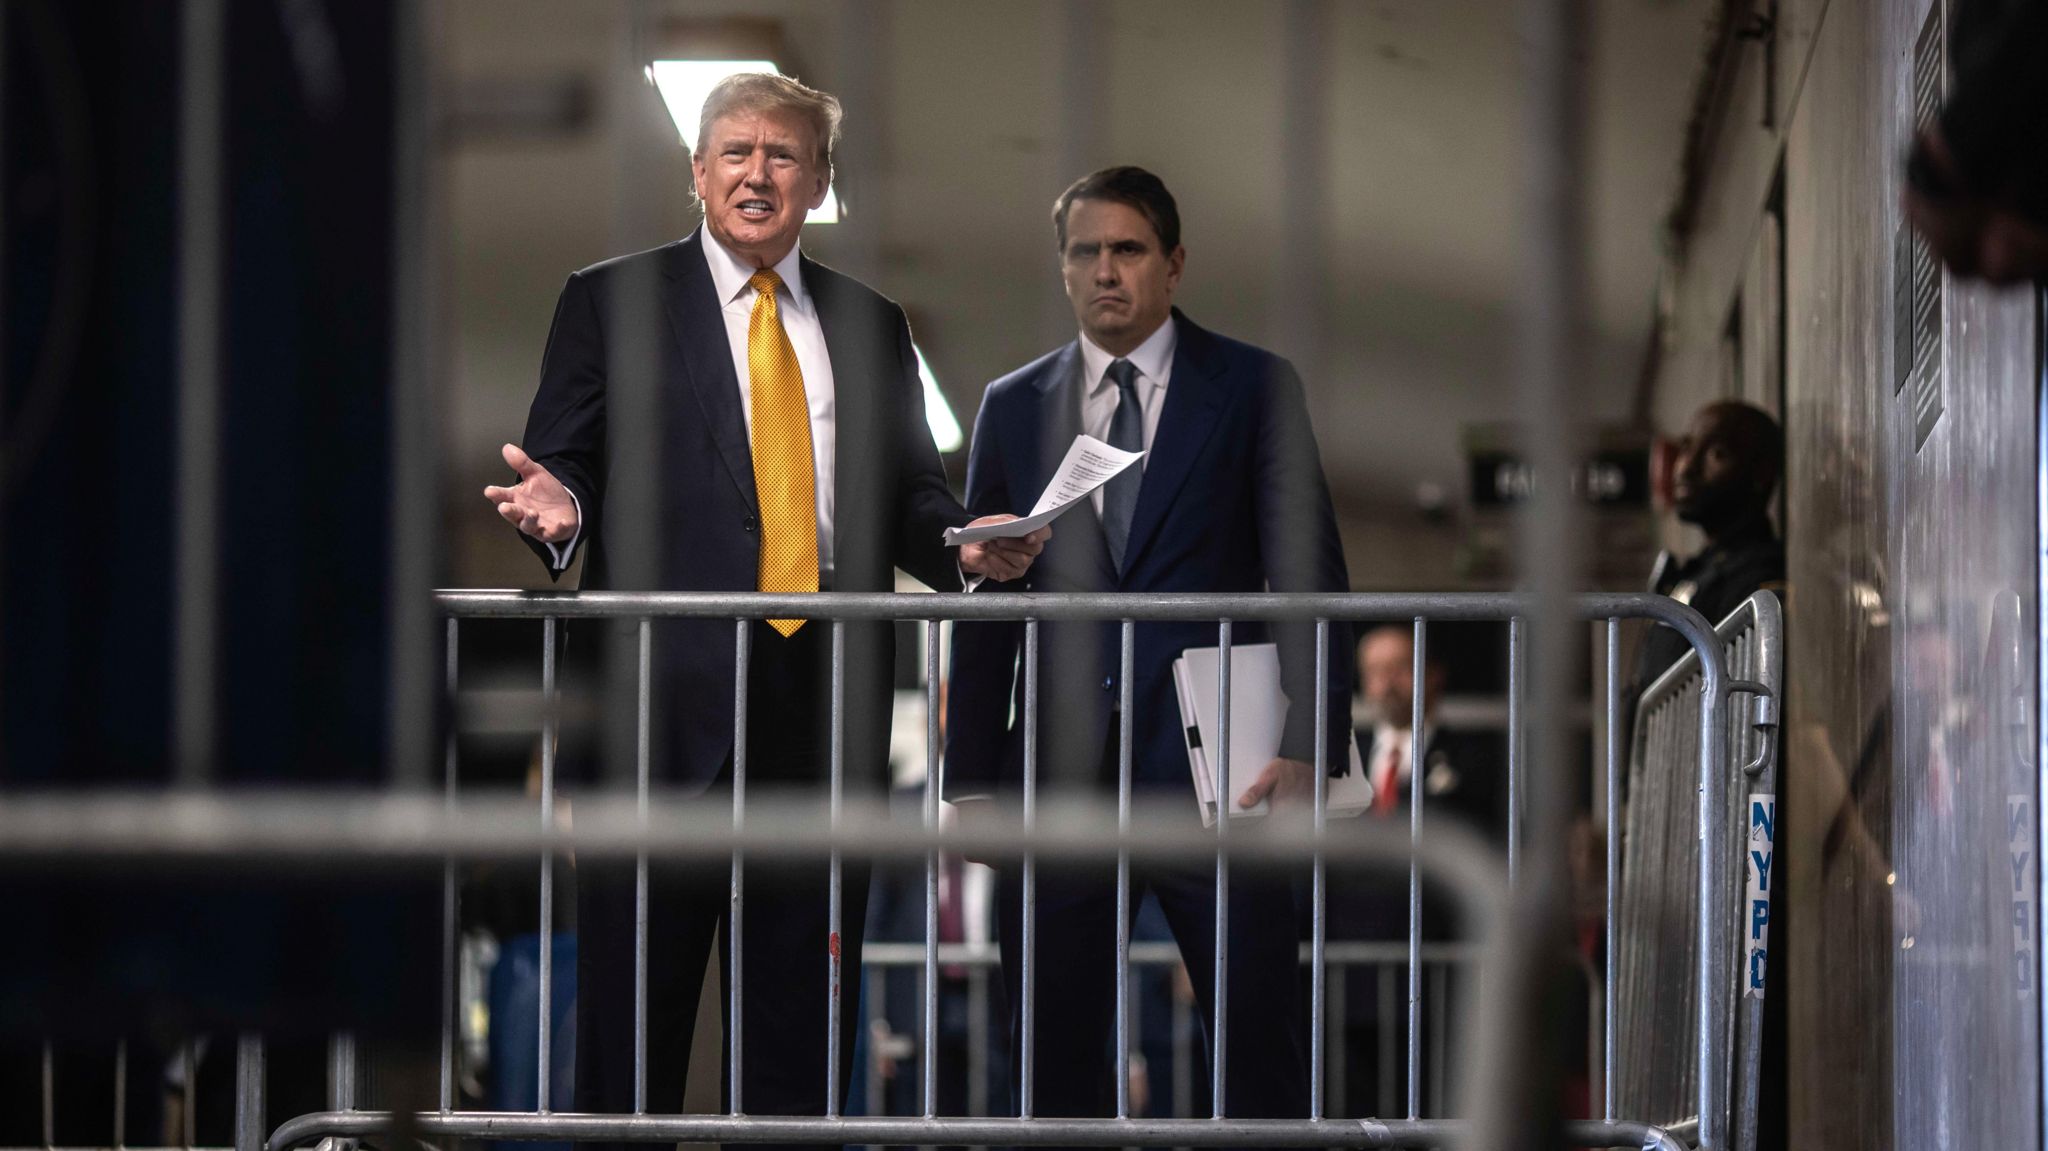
<point>784,470</point>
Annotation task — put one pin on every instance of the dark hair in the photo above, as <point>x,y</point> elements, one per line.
<point>1432,653</point>
<point>1123,185</point>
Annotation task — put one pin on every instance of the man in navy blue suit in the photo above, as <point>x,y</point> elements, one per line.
<point>762,363</point>
<point>1230,498</point>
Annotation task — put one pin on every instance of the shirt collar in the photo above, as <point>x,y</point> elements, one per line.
<point>1385,733</point>
<point>1152,358</point>
<point>729,273</point>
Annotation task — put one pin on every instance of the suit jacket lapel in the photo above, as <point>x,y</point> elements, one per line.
<point>1079,551</point>
<point>694,314</point>
<point>1194,397</point>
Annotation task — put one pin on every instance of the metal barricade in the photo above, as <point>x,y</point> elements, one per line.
<point>1387,960</point>
<point>453,827</point>
<point>1655,913</point>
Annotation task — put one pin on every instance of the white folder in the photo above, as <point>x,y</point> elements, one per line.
<point>1258,718</point>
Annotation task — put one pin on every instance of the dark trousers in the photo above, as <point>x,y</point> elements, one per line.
<point>1074,1065</point>
<point>785,938</point>
<point>1374,1032</point>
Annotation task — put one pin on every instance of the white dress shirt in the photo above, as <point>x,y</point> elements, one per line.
<point>729,276</point>
<point>1385,736</point>
<point>1154,361</point>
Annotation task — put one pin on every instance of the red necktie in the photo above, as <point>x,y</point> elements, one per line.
<point>1386,780</point>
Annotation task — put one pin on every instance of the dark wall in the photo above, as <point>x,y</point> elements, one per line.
<point>89,397</point>
<point>307,406</point>
<point>90,517</point>
<point>1914,627</point>
<point>89,403</point>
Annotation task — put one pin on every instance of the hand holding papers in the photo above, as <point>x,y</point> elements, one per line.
<point>1258,716</point>
<point>1090,463</point>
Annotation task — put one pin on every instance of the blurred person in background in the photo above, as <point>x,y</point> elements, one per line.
<point>1463,781</point>
<point>1977,177</point>
<point>1727,467</point>
<point>1461,770</point>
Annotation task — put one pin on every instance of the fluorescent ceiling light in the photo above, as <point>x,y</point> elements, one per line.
<point>938,414</point>
<point>684,85</point>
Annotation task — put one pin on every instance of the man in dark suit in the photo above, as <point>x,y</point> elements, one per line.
<point>1461,770</point>
<point>1463,781</point>
<point>1229,498</point>
<point>762,363</point>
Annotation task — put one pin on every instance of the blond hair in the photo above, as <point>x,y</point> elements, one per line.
<point>744,93</point>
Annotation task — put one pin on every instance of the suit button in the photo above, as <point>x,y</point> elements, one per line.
<point>750,524</point>
<point>1108,684</point>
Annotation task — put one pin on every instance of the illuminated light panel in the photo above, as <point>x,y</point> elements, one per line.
<point>938,414</point>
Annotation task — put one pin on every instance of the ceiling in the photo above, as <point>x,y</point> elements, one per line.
<point>1373,241</point>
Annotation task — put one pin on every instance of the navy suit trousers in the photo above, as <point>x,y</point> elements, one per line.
<point>1075,973</point>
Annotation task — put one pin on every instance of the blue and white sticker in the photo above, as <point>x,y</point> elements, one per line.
<point>1756,917</point>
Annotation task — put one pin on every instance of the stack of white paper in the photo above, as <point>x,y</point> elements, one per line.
<point>1258,718</point>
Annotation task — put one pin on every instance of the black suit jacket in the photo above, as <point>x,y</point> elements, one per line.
<point>1717,581</point>
<point>1233,500</point>
<point>891,508</point>
<point>1464,775</point>
<point>1464,780</point>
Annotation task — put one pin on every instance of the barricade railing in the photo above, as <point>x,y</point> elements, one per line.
<point>453,827</point>
<point>1662,837</point>
<point>1386,960</point>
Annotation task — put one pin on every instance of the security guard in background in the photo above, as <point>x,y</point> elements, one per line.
<point>1728,465</point>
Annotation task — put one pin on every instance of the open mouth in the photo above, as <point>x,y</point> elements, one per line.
<point>756,209</point>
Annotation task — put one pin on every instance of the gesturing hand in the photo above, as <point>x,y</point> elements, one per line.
<point>538,504</point>
<point>1002,559</point>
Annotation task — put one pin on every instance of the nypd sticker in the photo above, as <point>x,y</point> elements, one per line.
<point>1756,925</point>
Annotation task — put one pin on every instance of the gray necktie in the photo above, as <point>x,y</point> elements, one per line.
<point>1126,431</point>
